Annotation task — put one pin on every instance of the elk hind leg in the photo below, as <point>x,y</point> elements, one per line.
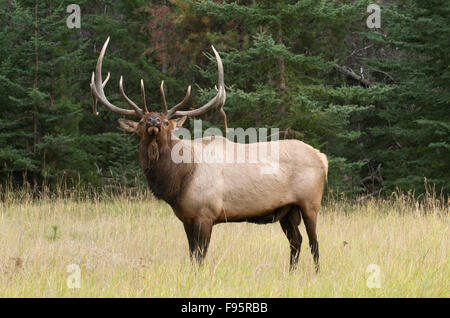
<point>309,214</point>
<point>289,224</point>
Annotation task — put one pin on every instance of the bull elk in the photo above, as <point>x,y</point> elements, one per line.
<point>204,194</point>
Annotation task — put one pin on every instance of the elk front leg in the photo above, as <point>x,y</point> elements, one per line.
<point>198,235</point>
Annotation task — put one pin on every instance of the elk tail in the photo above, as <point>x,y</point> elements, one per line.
<point>323,159</point>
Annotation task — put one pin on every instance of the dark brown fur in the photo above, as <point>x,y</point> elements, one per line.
<point>164,177</point>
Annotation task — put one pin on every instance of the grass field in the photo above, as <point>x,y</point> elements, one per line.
<point>128,247</point>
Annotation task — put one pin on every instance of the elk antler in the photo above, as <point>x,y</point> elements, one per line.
<point>144,102</point>
<point>94,104</point>
<point>171,112</point>
<point>98,93</point>
<point>217,101</point>
<point>129,101</point>
<point>161,88</point>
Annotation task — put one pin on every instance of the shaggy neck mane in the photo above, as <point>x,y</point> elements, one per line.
<point>164,177</point>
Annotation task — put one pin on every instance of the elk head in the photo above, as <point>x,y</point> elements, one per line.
<point>154,128</point>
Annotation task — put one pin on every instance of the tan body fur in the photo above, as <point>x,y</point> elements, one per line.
<point>227,192</point>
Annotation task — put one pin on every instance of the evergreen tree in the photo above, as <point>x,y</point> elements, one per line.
<point>409,132</point>
<point>375,101</point>
<point>47,130</point>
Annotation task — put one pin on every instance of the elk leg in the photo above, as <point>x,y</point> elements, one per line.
<point>309,214</point>
<point>289,224</point>
<point>198,235</point>
<point>190,236</point>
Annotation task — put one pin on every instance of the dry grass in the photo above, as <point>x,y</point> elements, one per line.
<point>137,248</point>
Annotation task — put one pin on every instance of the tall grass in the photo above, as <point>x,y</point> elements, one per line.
<point>127,244</point>
<point>71,189</point>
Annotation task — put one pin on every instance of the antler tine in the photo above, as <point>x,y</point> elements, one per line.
<point>222,112</point>
<point>224,116</point>
<point>97,88</point>
<point>94,104</point>
<point>144,102</point>
<point>163,95</point>
<point>218,100</point>
<point>106,80</point>
<point>129,101</point>
<point>172,111</point>
<point>94,98</point>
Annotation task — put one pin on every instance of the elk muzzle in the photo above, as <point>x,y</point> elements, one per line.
<point>154,124</point>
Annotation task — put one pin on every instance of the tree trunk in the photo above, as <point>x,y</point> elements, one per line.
<point>282,76</point>
<point>52,83</point>
<point>164,48</point>
<point>35,85</point>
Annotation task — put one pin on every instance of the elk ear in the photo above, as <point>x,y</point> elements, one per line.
<point>178,122</point>
<point>128,125</point>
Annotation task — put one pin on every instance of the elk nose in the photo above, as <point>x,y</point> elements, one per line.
<point>154,121</point>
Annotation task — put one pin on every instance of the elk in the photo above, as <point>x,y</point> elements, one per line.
<point>205,194</point>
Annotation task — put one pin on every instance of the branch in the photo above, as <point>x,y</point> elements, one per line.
<point>383,72</point>
<point>364,48</point>
<point>369,195</point>
<point>349,72</point>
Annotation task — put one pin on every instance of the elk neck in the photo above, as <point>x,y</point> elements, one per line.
<point>167,180</point>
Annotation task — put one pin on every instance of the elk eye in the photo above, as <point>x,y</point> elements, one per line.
<point>166,123</point>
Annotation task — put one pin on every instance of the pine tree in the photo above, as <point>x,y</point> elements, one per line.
<point>47,130</point>
<point>409,135</point>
